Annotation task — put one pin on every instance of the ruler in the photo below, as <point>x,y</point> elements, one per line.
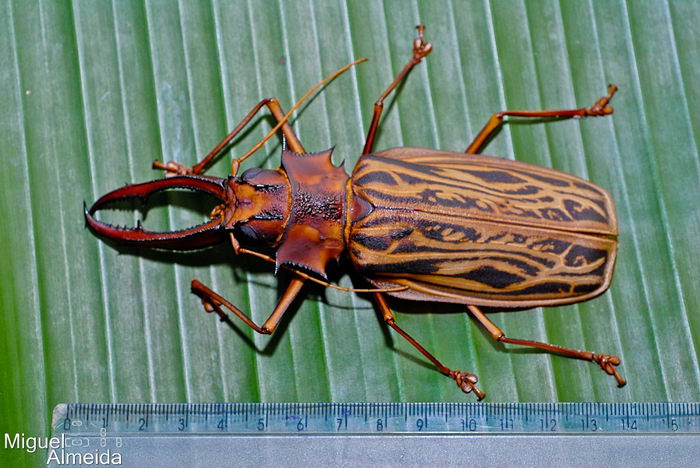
<point>351,434</point>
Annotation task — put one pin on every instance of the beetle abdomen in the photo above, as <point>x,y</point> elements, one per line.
<point>480,230</point>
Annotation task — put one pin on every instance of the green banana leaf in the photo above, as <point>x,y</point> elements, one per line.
<point>93,91</point>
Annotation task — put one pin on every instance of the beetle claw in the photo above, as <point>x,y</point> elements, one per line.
<point>421,49</point>
<point>466,382</point>
<point>608,364</point>
<point>601,105</point>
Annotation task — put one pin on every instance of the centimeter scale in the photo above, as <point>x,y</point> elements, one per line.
<point>352,434</point>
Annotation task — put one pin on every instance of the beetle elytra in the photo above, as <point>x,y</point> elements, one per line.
<point>418,224</point>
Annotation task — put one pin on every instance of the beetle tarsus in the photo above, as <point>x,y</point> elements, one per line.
<point>601,107</point>
<point>608,364</point>
<point>211,307</point>
<point>467,383</point>
<point>173,168</point>
<point>421,49</point>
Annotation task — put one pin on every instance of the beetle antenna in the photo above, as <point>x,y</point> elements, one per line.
<point>320,84</point>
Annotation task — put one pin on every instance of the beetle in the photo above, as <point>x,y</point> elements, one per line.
<point>417,224</point>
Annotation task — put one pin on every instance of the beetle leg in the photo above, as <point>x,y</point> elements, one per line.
<point>605,361</point>
<point>599,108</point>
<point>175,168</point>
<point>464,380</point>
<point>212,302</point>
<point>421,49</point>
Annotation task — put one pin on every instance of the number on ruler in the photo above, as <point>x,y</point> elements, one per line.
<point>548,425</point>
<point>591,425</point>
<point>469,425</point>
<point>342,422</point>
<point>629,424</point>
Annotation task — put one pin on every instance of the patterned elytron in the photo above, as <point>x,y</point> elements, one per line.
<point>480,230</point>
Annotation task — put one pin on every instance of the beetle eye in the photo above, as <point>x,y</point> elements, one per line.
<point>249,233</point>
<point>250,174</point>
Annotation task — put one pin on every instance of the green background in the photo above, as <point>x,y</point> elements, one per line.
<point>92,91</point>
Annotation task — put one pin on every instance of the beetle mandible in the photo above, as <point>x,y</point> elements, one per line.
<point>418,224</point>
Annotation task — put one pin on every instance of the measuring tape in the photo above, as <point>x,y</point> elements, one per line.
<point>386,433</point>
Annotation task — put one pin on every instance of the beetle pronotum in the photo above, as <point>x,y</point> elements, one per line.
<point>418,224</point>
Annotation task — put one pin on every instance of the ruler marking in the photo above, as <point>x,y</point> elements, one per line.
<point>647,410</point>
